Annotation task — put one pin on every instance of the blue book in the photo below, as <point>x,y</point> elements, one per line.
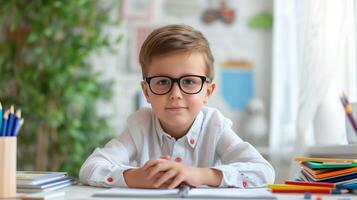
<point>320,165</point>
<point>351,186</point>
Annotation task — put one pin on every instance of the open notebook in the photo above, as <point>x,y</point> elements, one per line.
<point>256,193</point>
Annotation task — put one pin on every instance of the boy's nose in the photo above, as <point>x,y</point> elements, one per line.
<point>175,92</point>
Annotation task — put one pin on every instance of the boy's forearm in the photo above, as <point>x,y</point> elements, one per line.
<point>210,177</point>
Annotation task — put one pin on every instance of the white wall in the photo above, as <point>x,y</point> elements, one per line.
<point>235,41</point>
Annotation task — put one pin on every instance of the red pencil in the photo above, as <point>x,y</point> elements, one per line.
<point>314,191</point>
<point>327,185</point>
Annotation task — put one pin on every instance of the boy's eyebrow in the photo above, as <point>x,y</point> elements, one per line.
<point>176,76</point>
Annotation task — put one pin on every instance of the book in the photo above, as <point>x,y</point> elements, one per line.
<point>44,195</point>
<point>329,160</point>
<point>351,186</point>
<point>325,173</point>
<point>320,165</point>
<point>236,193</point>
<point>315,171</point>
<point>336,179</point>
<point>47,184</point>
<point>37,177</point>
<point>53,188</point>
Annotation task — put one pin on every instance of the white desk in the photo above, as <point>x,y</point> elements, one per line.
<point>85,192</point>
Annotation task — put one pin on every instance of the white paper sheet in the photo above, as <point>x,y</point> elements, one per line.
<point>262,193</point>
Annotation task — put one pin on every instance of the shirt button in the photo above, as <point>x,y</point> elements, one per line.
<point>192,141</point>
<point>245,183</point>
<point>110,179</point>
<point>178,159</point>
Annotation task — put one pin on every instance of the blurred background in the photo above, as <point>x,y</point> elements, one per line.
<point>72,67</point>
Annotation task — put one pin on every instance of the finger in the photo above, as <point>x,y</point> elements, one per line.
<point>164,178</point>
<point>176,182</point>
<point>166,184</point>
<point>166,157</point>
<point>151,163</point>
<point>157,176</point>
<point>158,168</point>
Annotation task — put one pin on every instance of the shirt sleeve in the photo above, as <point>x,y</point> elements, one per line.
<point>241,164</point>
<point>105,166</point>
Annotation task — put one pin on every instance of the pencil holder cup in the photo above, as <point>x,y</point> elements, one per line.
<point>350,131</point>
<point>8,167</point>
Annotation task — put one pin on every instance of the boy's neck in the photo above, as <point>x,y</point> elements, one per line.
<point>176,132</point>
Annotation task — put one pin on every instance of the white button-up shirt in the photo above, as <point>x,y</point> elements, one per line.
<point>209,143</point>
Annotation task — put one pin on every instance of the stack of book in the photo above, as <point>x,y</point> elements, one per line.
<point>322,175</point>
<point>38,181</point>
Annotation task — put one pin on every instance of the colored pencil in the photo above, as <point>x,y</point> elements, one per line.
<point>18,127</point>
<point>10,121</point>
<point>312,191</point>
<point>348,109</point>
<point>0,117</point>
<point>327,185</point>
<point>16,122</point>
<point>4,123</point>
<point>296,187</point>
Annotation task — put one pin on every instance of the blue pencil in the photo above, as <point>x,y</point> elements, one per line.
<point>0,118</point>
<point>16,122</point>
<point>4,123</point>
<point>10,121</point>
<point>18,127</point>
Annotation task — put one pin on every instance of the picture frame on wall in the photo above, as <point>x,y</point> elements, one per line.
<point>137,9</point>
<point>138,36</point>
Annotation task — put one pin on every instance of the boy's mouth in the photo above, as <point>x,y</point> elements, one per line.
<point>176,108</point>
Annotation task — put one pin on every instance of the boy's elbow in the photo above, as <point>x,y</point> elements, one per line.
<point>269,175</point>
<point>83,175</point>
<point>85,172</point>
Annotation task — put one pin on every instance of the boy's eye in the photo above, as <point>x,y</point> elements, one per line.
<point>162,82</point>
<point>188,81</point>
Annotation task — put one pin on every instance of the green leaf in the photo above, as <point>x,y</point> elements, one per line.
<point>44,70</point>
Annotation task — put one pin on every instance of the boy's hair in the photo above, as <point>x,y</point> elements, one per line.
<point>172,39</point>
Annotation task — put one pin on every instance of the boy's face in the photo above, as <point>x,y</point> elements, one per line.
<point>177,110</point>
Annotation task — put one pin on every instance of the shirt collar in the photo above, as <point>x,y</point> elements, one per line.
<point>191,136</point>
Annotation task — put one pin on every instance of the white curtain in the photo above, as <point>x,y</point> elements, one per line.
<point>314,61</point>
<point>284,79</point>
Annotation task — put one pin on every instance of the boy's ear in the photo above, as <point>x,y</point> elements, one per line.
<point>210,89</point>
<point>145,89</point>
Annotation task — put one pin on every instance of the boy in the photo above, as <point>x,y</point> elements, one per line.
<point>177,141</point>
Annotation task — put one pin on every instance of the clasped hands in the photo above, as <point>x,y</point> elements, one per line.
<point>166,173</point>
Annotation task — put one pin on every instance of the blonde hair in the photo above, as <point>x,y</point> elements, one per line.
<point>175,38</point>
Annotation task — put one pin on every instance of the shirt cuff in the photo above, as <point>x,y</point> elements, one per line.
<point>112,177</point>
<point>231,177</point>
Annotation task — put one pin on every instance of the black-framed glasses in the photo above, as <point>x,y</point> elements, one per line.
<point>189,84</point>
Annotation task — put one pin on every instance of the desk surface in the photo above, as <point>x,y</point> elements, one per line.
<point>77,192</point>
